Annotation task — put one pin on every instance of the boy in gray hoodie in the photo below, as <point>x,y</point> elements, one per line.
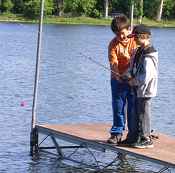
<point>144,74</point>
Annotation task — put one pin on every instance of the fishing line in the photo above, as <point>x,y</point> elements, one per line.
<point>99,64</point>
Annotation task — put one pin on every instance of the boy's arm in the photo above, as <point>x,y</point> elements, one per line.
<point>112,54</point>
<point>113,60</point>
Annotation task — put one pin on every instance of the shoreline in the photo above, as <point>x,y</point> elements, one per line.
<point>82,21</point>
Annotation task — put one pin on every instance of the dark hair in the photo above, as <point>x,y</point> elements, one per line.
<point>119,22</point>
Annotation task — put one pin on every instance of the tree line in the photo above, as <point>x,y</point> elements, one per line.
<point>153,9</point>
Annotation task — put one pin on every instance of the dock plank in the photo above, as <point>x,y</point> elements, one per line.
<point>164,147</point>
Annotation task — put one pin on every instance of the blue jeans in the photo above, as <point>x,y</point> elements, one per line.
<point>122,93</point>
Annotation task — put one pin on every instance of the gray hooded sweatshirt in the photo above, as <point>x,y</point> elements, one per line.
<point>145,71</point>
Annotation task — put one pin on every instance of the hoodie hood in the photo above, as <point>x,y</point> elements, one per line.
<point>151,52</point>
<point>149,49</point>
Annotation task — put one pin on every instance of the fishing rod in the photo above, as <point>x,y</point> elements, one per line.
<point>101,65</point>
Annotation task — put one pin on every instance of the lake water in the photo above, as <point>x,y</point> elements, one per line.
<point>72,89</point>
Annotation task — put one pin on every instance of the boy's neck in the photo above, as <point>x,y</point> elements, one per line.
<point>146,44</point>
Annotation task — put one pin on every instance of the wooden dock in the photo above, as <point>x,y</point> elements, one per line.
<point>95,136</point>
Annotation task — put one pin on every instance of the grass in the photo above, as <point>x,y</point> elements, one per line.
<point>8,17</point>
<point>80,20</point>
<point>161,24</point>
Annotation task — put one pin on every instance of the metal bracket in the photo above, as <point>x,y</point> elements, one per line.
<point>164,169</point>
<point>96,166</point>
<point>34,142</point>
<point>57,147</point>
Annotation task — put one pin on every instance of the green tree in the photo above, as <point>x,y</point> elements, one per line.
<point>32,8</point>
<point>89,8</point>
<point>81,7</point>
<point>168,9</point>
<point>150,8</point>
<point>121,6</point>
<point>18,6</point>
<point>100,8</point>
<point>140,10</point>
<point>6,6</point>
<point>92,8</point>
<point>58,7</point>
<point>72,6</point>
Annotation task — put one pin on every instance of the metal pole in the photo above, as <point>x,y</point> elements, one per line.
<point>132,14</point>
<point>37,68</point>
<point>38,56</point>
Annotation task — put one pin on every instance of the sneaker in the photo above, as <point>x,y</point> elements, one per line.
<point>143,144</point>
<point>115,139</point>
<point>127,142</point>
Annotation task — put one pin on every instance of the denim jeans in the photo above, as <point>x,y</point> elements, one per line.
<point>122,93</point>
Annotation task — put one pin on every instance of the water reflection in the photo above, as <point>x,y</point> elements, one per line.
<point>52,165</point>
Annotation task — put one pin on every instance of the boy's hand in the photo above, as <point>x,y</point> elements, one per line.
<point>132,82</point>
<point>126,76</point>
